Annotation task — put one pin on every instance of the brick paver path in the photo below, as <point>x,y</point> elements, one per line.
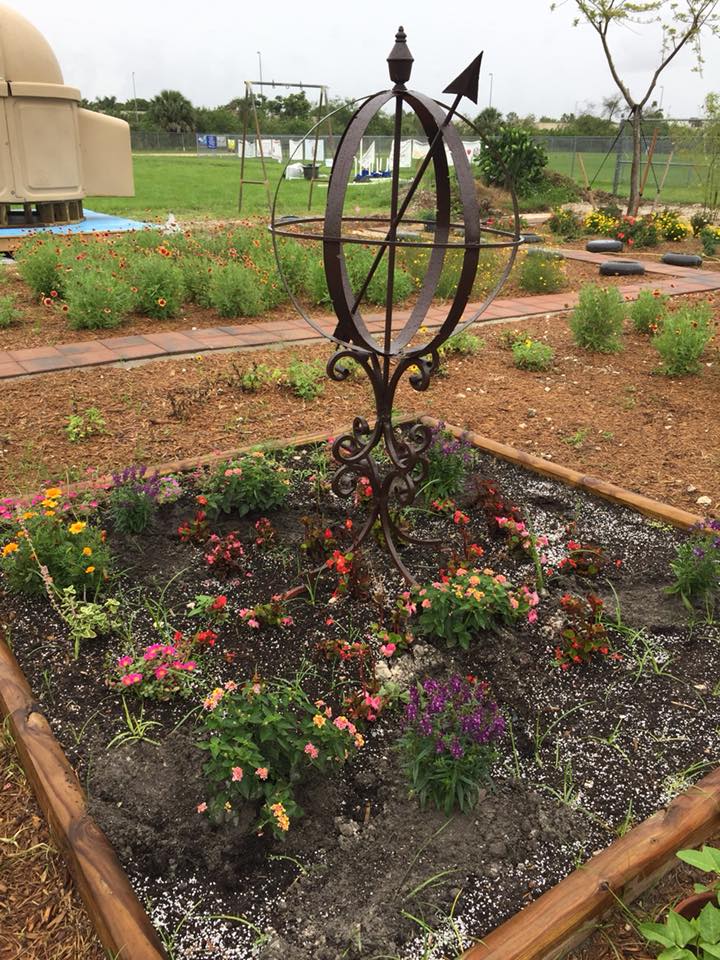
<point>91,353</point>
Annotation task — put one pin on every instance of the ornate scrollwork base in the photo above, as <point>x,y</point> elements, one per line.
<point>398,484</point>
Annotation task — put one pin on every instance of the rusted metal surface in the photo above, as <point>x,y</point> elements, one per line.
<point>388,356</point>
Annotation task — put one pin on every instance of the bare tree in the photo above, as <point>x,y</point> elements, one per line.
<point>683,23</point>
<point>611,105</point>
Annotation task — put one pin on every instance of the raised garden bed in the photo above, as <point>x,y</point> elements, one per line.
<point>594,747</point>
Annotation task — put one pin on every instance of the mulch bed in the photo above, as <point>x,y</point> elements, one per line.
<point>617,738</point>
<point>611,416</point>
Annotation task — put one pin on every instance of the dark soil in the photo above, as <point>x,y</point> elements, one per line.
<point>596,748</point>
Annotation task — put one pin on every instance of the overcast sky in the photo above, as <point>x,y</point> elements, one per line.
<point>540,63</point>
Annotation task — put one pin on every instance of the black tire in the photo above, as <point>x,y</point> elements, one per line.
<point>604,246</point>
<point>621,268</point>
<point>530,238</point>
<point>682,259</point>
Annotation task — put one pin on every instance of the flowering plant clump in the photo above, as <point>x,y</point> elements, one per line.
<point>265,738</point>
<point>212,609</point>
<point>318,539</point>
<point>648,311</point>
<point>597,320</point>
<point>266,534</point>
<point>696,567</point>
<point>47,549</point>
<point>272,614</point>
<point>598,222</point>
<point>194,530</point>
<point>637,231</point>
<point>132,499</point>
<point>169,490</point>
<point>581,631</point>
<point>682,338</point>
<point>583,559</point>
<point>252,482</point>
<point>451,730</point>
<point>460,606</point>
<point>533,355</point>
<point>670,225</point>
<point>159,671</point>
<point>226,553</point>
<point>448,460</point>
<point>495,505</point>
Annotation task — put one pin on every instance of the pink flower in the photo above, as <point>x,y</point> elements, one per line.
<point>231,685</point>
<point>287,621</point>
<point>124,661</point>
<point>426,603</point>
<point>161,672</point>
<point>311,750</point>
<point>532,616</point>
<point>252,622</point>
<point>262,773</point>
<point>130,678</point>
<point>237,773</point>
<point>388,649</point>
<point>341,722</point>
<point>202,807</point>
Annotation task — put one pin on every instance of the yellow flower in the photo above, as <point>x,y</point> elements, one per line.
<point>319,720</point>
<point>228,806</point>
<point>87,552</point>
<point>77,527</point>
<point>49,513</point>
<point>9,548</point>
<point>29,515</point>
<point>50,504</point>
<point>53,493</point>
<point>90,569</point>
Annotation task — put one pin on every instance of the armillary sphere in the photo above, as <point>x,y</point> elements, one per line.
<point>404,346</point>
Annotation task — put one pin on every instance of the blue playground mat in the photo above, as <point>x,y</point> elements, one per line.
<point>93,223</point>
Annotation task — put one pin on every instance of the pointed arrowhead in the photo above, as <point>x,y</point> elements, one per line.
<point>467,83</point>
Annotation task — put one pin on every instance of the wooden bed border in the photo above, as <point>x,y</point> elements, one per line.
<point>544,930</point>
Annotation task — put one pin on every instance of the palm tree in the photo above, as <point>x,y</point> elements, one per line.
<point>171,111</point>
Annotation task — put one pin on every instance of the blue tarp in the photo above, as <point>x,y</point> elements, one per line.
<point>93,223</point>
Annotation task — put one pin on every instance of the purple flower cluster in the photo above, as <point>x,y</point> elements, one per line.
<point>444,444</point>
<point>457,715</point>
<point>135,480</point>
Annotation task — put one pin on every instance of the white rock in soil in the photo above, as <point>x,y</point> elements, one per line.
<point>691,489</point>
<point>703,501</point>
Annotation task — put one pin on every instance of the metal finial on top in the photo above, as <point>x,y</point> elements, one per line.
<point>400,60</point>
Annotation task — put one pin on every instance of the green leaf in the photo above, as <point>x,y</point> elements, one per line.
<point>677,953</point>
<point>706,859</point>
<point>656,933</point>
<point>680,929</point>
<point>708,923</point>
<point>712,948</point>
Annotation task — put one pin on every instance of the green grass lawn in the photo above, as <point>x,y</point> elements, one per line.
<point>208,187</point>
<point>685,181</point>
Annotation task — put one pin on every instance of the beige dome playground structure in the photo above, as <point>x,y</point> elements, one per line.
<point>52,152</point>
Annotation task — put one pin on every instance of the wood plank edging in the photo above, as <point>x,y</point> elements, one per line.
<point>656,509</point>
<point>120,921</point>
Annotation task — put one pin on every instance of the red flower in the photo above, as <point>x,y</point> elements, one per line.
<point>201,500</point>
<point>218,603</point>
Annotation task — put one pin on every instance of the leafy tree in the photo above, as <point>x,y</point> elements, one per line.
<point>488,120</point>
<point>171,111</point>
<point>683,23</point>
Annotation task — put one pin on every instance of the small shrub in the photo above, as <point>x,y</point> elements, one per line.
<point>508,338</point>
<point>235,291</point>
<point>256,376</point>
<point>96,300</point>
<point>638,231</point>
<point>306,379</point>
<point>263,740</point>
<point>469,602</point>
<point>197,279</point>
<point>464,343</point>
<point>159,671</point>
<point>81,426</point>
<point>50,550</point>
<point>709,237</point>
<point>597,320</point>
<point>698,222</point>
<point>40,265</point>
<point>696,567</point>
<point>9,314</point>
<point>225,554</point>
<point>448,460</point>
<point>86,619</point>
<point>159,286</point>
<point>252,482</point>
<point>682,339</point>
<point>541,273</point>
<point>648,310</point>
<point>566,224</point>
<point>449,742</point>
<point>670,225</point>
<point>533,355</point>
<point>604,223</point>
<point>511,154</point>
